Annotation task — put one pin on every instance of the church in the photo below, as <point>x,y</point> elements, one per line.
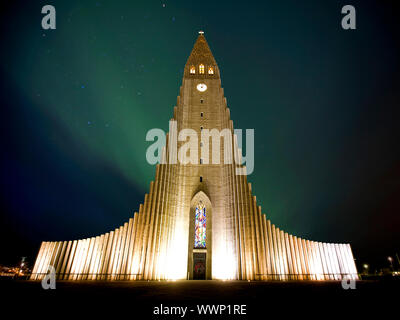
<point>199,220</point>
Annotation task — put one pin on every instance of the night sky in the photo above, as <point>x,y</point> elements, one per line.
<point>78,101</point>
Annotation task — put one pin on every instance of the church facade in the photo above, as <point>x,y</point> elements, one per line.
<point>199,220</point>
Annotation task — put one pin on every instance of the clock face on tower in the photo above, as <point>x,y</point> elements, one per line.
<point>201,87</point>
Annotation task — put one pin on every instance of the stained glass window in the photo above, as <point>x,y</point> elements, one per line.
<point>200,226</point>
<point>210,70</point>
<point>192,70</point>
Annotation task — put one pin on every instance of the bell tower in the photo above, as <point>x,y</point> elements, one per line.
<point>201,107</point>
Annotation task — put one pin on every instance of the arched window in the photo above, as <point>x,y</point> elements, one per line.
<point>210,70</point>
<point>200,226</point>
<point>192,70</point>
<point>201,69</point>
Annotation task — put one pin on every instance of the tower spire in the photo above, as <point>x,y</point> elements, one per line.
<point>201,55</point>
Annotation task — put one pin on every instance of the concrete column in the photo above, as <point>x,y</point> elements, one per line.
<point>131,253</point>
<point>262,233</point>
<point>323,261</point>
<point>61,258</point>
<point>43,259</point>
<point>93,266</point>
<point>122,250</point>
<point>89,258</point>
<point>38,261</point>
<point>293,258</point>
<point>65,260</point>
<point>306,259</point>
<point>276,254</point>
<point>149,220</point>
<point>138,244</point>
<point>108,239</point>
<point>267,252</point>
<point>297,255</point>
<point>112,254</point>
<point>68,269</point>
<point>284,255</point>
<point>76,260</point>
<point>330,263</point>
<point>340,260</point>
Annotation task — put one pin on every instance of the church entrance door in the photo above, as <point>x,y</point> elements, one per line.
<point>199,266</point>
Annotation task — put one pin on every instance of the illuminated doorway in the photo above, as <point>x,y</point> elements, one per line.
<point>200,242</point>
